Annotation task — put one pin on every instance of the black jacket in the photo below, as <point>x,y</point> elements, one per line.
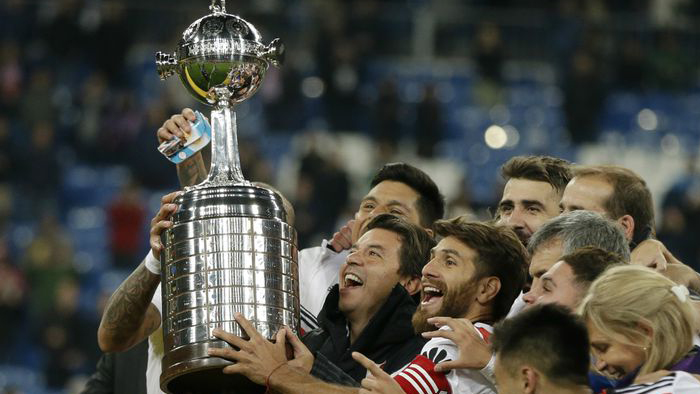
<point>388,339</point>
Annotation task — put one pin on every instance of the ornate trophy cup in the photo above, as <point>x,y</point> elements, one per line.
<point>230,248</point>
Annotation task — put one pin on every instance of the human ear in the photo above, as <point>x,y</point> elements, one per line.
<point>412,285</point>
<point>627,223</point>
<point>488,289</point>
<point>529,379</point>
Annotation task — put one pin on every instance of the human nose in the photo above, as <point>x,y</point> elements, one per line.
<point>353,258</point>
<point>429,269</point>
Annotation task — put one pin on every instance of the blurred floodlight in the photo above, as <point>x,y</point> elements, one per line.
<point>495,137</point>
<point>312,87</point>
<point>671,145</point>
<point>512,136</point>
<point>647,120</point>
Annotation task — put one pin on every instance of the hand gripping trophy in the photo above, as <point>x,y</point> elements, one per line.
<point>230,248</point>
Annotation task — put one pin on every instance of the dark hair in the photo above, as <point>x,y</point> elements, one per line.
<point>548,337</point>
<point>589,262</point>
<point>430,204</point>
<point>499,254</point>
<point>630,196</point>
<point>555,171</point>
<point>416,243</point>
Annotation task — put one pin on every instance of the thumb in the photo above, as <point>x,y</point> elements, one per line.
<point>280,338</point>
<point>297,345</point>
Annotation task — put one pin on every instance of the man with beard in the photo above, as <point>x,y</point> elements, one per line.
<point>534,186</point>
<point>368,311</point>
<point>474,274</point>
<point>398,188</point>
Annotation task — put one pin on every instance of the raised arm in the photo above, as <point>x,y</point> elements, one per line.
<point>193,170</point>
<point>129,316</point>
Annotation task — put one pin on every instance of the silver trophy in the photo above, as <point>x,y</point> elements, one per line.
<point>230,248</point>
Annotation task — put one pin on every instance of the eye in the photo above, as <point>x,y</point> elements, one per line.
<point>374,253</point>
<point>534,209</point>
<point>546,289</point>
<point>397,212</point>
<point>368,206</point>
<point>450,262</point>
<point>505,210</point>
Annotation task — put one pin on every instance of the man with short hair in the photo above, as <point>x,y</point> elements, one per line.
<point>568,280</point>
<point>369,310</point>
<point>474,273</point>
<point>542,350</point>
<point>560,236</point>
<point>615,192</point>
<point>534,186</point>
<point>398,188</point>
<point>621,195</point>
<point>567,233</point>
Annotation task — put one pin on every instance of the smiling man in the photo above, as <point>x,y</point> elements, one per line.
<point>534,186</point>
<point>475,272</point>
<point>567,282</point>
<point>397,188</point>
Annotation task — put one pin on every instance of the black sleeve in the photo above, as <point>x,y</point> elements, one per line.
<point>325,370</point>
<point>102,381</point>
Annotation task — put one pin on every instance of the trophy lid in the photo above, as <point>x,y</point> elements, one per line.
<point>220,50</point>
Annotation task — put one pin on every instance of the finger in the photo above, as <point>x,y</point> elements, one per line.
<point>189,114</point>
<point>369,365</point>
<point>280,341</point>
<point>170,197</point>
<point>447,366</point>
<point>164,213</point>
<point>447,334</point>
<point>234,369</point>
<point>173,128</point>
<point>365,391</point>
<point>247,326</point>
<point>297,345</point>
<point>226,353</point>
<point>182,123</point>
<point>156,231</point>
<point>231,339</point>
<point>163,135</point>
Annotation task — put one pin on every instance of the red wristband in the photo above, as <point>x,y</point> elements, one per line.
<point>267,380</point>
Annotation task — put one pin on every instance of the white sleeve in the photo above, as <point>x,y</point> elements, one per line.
<point>685,383</point>
<point>157,301</point>
<point>318,271</point>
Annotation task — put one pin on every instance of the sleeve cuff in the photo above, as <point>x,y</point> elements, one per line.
<point>487,371</point>
<point>152,263</point>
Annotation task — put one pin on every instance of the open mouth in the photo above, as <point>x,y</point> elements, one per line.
<point>352,281</point>
<point>431,294</point>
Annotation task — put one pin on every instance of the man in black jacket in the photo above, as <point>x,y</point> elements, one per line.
<point>369,311</point>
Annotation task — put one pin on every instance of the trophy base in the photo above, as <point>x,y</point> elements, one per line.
<point>205,376</point>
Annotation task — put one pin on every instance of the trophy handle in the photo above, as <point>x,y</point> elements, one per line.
<point>225,160</point>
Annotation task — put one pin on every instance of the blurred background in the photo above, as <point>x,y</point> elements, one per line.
<point>455,87</point>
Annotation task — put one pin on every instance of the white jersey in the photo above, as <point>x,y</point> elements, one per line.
<point>155,351</point>
<point>420,377</point>
<point>677,382</point>
<point>318,272</point>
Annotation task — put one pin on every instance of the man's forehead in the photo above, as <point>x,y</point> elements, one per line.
<point>453,245</point>
<point>379,236</point>
<point>518,189</point>
<point>392,191</point>
<point>546,255</point>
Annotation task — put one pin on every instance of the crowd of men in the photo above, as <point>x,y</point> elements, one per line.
<point>565,290</point>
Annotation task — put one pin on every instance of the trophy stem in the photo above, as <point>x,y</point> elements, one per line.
<point>225,161</point>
